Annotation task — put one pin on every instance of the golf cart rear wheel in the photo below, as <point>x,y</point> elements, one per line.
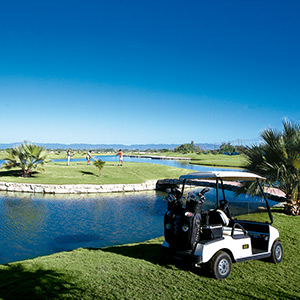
<point>220,265</point>
<point>276,252</point>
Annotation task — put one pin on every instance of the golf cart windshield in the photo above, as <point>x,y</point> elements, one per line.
<point>240,207</point>
<point>248,208</point>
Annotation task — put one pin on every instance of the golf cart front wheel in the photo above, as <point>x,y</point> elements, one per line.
<point>220,265</point>
<point>276,252</point>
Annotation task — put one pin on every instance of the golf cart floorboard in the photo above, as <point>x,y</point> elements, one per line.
<point>256,254</point>
<point>258,251</point>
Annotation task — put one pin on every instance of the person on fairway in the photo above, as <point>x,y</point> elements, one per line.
<point>69,156</point>
<point>89,156</point>
<point>120,153</point>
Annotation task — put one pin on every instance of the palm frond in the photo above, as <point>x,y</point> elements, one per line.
<point>99,163</point>
<point>277,159</point>
<point>25,156</point>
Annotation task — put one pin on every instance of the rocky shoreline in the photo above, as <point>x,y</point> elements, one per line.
<point>76,188</point>
<point>149,185</point>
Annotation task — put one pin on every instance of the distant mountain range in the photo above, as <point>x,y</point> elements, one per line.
<point>142,147</point>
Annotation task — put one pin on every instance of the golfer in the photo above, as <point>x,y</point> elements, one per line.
<point>120,153</point>
<point>89,156</point>
<point>69,156</point>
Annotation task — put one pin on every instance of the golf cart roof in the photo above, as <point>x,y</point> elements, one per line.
<point>224,175</point>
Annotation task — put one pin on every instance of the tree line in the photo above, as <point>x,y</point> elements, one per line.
<point>225,148</point>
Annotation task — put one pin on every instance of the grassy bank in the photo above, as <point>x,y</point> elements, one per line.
<point>137,271</point>
<point>220,160</point>
<point>81,173</point>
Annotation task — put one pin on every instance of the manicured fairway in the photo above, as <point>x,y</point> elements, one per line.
<point>220,160</point>
<point>210,159</point>
<point>81,173</point>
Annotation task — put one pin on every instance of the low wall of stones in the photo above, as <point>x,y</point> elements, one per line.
<point>76,188</point>
<point>149,185</point>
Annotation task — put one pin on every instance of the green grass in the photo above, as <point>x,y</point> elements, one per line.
<point>220,160</point>
<point>138,271</point>
<point>197,159</point>
<point>81,173</point>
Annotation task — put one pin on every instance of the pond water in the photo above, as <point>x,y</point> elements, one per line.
<point>34,225</point>
<point>38,225</point>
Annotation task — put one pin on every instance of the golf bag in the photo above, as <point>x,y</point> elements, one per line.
<point>182,225</point>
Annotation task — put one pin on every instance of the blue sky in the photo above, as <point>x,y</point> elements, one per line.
<point>147,71</point>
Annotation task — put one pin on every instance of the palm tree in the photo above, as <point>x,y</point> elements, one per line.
<point>278,159</point>
<point>99,164</point>
<point>27,157</point>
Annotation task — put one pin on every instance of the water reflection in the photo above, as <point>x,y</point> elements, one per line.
<point>35,225</point>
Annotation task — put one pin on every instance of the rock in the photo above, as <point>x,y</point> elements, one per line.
<point>38,189</point>
<point>3,187</point>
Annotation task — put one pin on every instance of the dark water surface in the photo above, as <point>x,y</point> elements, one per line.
<point>35,225</point>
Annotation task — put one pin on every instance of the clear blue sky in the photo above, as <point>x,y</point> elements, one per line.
<point>147,71</point>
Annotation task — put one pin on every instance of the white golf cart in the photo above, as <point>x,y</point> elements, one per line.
<point>214,233</point>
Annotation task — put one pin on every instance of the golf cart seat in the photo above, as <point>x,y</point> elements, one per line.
<point>214,222</point>
<point>218,217</point>
<point>223,217</point>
